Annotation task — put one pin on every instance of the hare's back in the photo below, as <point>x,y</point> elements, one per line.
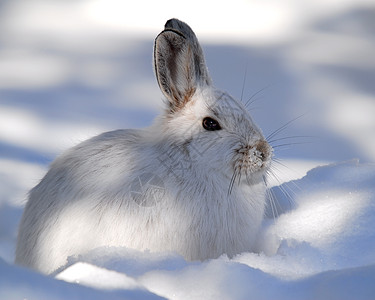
<point>99,161</point>
<point>101,164</point>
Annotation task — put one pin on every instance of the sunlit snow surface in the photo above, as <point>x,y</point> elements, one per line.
<point>72,69</point>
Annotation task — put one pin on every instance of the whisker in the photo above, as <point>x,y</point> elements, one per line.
<point>270,196</point>
<point>272,203</point>
<point>283,127</point>
<point>287,191</point>
<point>244,82</point>
<point>239,176</point>
<point>279,208</point>
<point>285,166</point>
<point>254,107</point>
<point>287,194</point>
<point>290,144</point>
<point>236,134</point>
<point>248,179</point>
<point>292,137</point>
<point>279,161</point>
<point>249,102</point>
<point>232,181</point>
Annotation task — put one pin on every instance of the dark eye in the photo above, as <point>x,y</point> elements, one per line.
<point>210,124</point>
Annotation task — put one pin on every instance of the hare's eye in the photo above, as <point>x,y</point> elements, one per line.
<point>210,124</point>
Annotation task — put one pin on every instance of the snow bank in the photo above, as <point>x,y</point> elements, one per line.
<point>320,246</point>
<point>17,283</point>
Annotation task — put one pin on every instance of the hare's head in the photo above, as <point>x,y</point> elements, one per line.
<point>207,129</point>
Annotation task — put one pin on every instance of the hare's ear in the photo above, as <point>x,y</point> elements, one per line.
<point>179,64</point>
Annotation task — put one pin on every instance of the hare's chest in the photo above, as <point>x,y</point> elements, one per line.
<point>207,229</point>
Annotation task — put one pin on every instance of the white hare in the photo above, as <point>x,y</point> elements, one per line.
<point>192,183</point>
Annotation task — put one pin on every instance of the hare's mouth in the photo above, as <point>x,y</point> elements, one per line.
<point>251,159</point>
<point>251,163</point>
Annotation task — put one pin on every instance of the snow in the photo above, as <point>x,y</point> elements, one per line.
<point>17,283</point>
<point>327,235</point>
<point>62,82</point>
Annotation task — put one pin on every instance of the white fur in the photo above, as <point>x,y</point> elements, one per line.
<point>85,200</point>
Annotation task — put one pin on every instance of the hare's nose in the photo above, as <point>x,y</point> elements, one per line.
<point>263,150</point>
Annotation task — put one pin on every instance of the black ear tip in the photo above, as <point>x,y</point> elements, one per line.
<point>171,23</point>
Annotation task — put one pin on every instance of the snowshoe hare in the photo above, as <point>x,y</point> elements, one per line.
<point>192,183</point>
